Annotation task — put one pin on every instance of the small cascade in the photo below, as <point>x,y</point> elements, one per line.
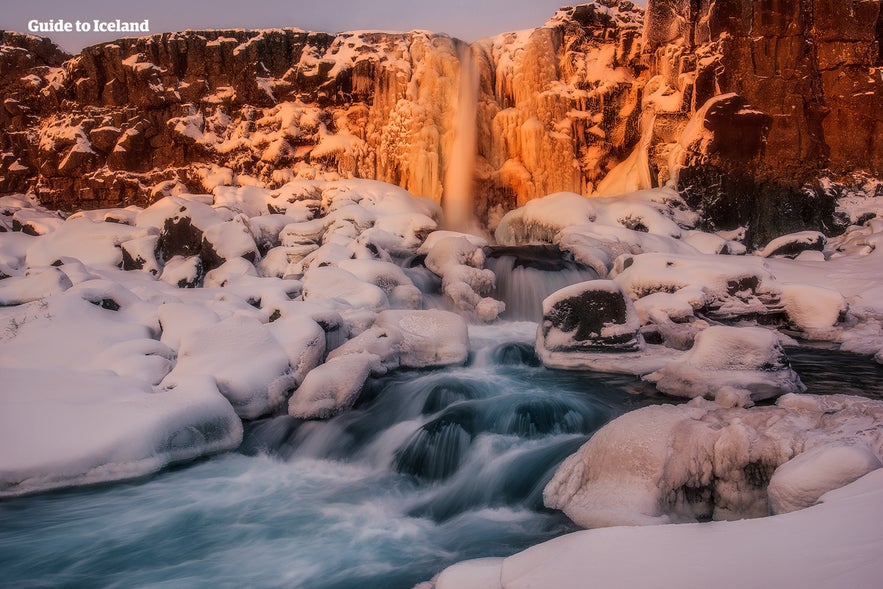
<point>527,274</point>
<point>459,184</point>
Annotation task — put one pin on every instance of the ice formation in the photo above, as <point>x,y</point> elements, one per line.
<point>701,460</point>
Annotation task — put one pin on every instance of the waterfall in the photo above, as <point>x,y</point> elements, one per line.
<point>457,199</point>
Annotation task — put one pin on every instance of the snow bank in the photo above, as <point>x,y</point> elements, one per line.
<point>835,544</point>
<point>668,463</point>
<point>748,359</point>
<point>62,427</point>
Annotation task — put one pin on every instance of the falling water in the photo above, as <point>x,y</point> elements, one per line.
<point>459,178</point>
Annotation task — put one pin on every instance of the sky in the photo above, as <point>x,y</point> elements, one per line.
<point>467,19</point>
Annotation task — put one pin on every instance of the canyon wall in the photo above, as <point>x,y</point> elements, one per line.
<point>744,105</point>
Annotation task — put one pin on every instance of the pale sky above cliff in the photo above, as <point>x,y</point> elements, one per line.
<point>466,19</point>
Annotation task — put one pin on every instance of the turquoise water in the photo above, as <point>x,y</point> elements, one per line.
<point>431,468</point>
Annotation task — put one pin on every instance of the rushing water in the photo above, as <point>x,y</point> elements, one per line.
<point>432,467</point>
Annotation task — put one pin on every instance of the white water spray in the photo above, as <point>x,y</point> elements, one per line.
<point>459,188</point>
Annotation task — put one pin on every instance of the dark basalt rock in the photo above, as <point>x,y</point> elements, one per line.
<point>179,237</point>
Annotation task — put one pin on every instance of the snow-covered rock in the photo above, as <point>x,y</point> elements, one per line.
<point>332,387</point>
<point>329,283</point>
<point>92,243</point>
<point>465,281</point>
<point>248,363</point>
<point>44,282</point>
<point>801,482</point>
<point>63,427</point>
<point>669,463</point>
<point>745,358</point>
<point>811,308</point>
<point>428,338</point>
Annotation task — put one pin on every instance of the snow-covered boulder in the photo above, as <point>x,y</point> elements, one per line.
<point>813,308</point>
<point>793,244</point>
<point>669,463</point>
<point>801,482</point>
<point>586,319</point>
<point>142,254</point>
<point>332,387</point>
<point>15,290</point>
<point>731,286</point>
<point>248,363</point>
<point>92,243</point>
<point>541,219</point>
<point>428,338</point>
<point>183,272</point>
<point>226,241</point>
<point>327,282</point>
<point>64,427</point>
<point>749,359</point>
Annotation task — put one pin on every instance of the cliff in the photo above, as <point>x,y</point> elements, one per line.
<point>743,105</point>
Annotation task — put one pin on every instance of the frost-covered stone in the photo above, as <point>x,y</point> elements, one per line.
<point>255,382</point>
<point>667,463</point>
<point>747,358</point>
<point>64,427</point>
<point>332,387</point>
<point>428,338</point>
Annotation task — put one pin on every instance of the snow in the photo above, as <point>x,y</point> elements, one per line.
<point>62,427</point>
<point>834,544</point>
<point>744,358</point>
<point>255,383</point>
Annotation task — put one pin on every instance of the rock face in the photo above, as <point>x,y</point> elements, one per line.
<point>812,67</point>
<point>743,106</point>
